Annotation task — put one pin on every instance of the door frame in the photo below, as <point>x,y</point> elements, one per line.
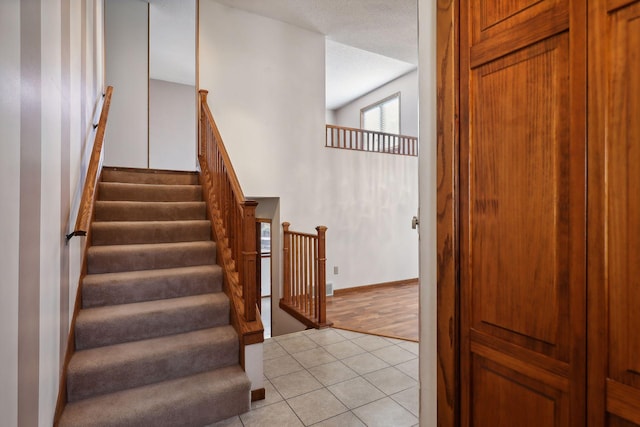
<point>448,244</point>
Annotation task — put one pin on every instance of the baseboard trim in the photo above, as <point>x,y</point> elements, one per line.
<point>338,292</point>
<point>258,394</point>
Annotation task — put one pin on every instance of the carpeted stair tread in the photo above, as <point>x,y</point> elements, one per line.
<point>153,340</point>
<point>122,366</point>
<point>196,400</point>
<point>148,176</point>
<point>109,210</point>
<point>132,232</point>
<point>149,192</point>
<point>101,326</point>
<point>115,258</point>
<point>147,285</point>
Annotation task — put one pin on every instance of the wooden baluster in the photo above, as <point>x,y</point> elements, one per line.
<point>286,279</point>
<point>299,270</point>
<point>313,243</point>
<point>303,272</point>
<point>294,272</point>
<point>247,270</point>
<point>322,275</point>
<point>309,262</point>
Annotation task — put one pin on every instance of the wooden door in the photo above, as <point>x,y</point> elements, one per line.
<point>522,212</point>
<point>614,213</point>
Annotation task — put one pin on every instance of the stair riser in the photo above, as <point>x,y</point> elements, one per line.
<point>127,233</point>
<point>139,326</point>
<point>149,193</point>
<point>149,211</point>
<point>98,291</point>
<point>125,259</point>
<point>149,177</point>
<point>82,385</point>
<point>197,400</point>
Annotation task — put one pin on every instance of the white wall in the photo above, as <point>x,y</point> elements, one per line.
<point>127,44</point>
<point>172,126</point>
<point>10,213</point>
<point>266,83</point>
<point>51,65</point>
<point>407,85</point>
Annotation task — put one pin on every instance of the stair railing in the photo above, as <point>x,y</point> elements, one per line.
<point>366,140</point>
<point>304,276</point>
<point>85,208</point>
<point>234,226</point>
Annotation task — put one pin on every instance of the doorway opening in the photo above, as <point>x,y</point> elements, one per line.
<point>264,232</point>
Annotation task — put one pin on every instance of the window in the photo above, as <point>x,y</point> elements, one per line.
<point>383,116</point>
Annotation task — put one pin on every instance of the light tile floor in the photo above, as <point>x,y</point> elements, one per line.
<point>332,377</point>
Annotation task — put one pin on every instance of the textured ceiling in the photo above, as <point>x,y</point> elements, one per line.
<point>352,72</point>
<point>379,37</point>
<point>385,27</point>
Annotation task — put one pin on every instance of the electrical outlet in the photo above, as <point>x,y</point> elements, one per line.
<point>335,269</point>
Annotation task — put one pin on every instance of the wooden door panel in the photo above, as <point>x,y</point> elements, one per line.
<point>491,17</point>
<point>519,198</point>
<point>502,26</point>
<point>623,212</point>
<point>624,193</point>
<point>522,214</point>
<point>530,403</point>
<point>494,12</point>
<point>613,421</point>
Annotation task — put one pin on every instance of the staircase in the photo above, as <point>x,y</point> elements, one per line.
<point>154,346</point>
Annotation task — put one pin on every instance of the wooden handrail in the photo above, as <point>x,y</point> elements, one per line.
<point>234,227</point>
<point>304,278</point>
<point>366,140</point>
<point>85,211</point>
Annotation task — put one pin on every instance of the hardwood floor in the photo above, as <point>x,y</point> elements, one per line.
<point>390,311</point>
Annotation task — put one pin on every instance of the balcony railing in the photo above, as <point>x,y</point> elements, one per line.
<point>366,140</point>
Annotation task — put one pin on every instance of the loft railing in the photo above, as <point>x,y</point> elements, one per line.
<point>366,140</point>
<point>234,226</point>
<point>85,208</point>
<point>304,276</point>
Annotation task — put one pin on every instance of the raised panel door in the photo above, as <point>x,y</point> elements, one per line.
<point>522,215</point>
<point>615,231</point>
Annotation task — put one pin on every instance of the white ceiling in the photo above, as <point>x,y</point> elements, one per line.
<point>369,42</point>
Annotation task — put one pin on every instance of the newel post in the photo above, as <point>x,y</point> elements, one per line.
<point>322,275</point>
<point>201,139</point>
<point>286,265</point>
<point>247,268</point>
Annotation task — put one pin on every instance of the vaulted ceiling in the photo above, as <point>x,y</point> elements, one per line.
<point>369,42</point>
